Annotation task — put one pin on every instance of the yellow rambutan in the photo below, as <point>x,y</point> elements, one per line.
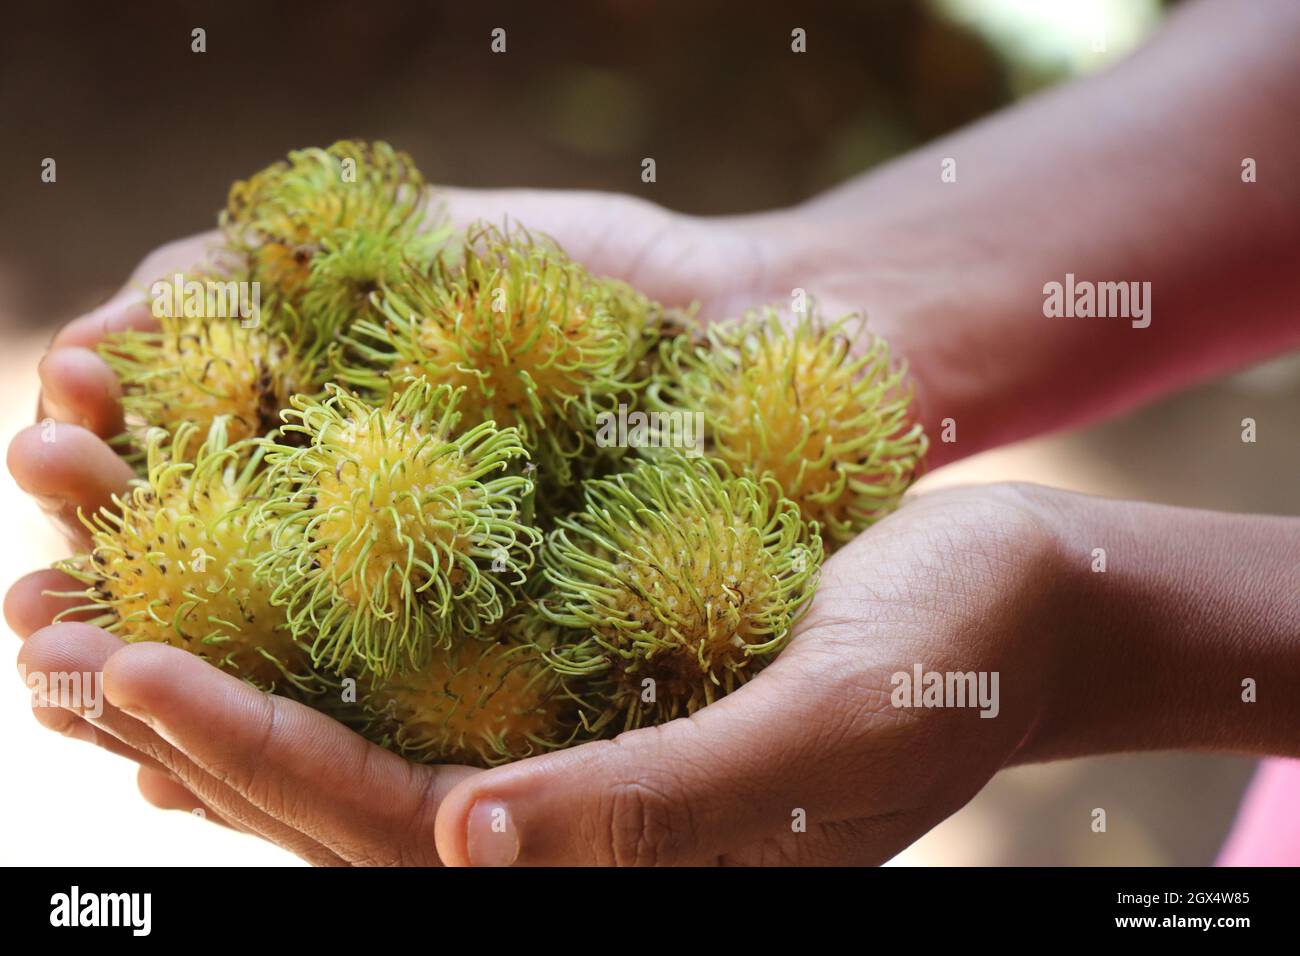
<point>676,582</point>
<point>282,216</point>
<point>394,531</point>
<point>174,561</point>
<point>536,343</point>
<point>480,702</point>
<point>827,417</point>
<point>196,369</point>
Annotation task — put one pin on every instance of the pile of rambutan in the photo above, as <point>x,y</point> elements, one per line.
<point>396,492</point>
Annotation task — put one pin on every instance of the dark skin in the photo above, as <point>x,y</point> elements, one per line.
<point>1150,654</point>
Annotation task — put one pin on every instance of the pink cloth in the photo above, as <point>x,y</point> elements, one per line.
<point>1267,829</point>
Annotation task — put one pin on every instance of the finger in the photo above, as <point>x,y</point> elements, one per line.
<point>866,842</point>
<point>686,792</point>
<point>167,793</point>
<point>66,468</point>
<point>126,311</point>
<point>67,650</point>
<point>34,600</point>
<point>129,308</point>
<point>298,765</point>
<point>557,213</point>
<point>69,724</point>
<point>609,233</point>
<point>78,387</point>
<point>673,259</point>
<point>53,709</point>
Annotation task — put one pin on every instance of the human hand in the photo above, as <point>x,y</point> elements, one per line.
<point>1182,637</point>
<point>1151,654</point>
<point>950,582</point>
<point>724,265</point>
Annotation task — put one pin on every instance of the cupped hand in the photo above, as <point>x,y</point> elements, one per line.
<point>810,762</point>
<point>257,762</point>
<point>811,743</point>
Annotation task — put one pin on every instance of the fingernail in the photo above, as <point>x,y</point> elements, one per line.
<point>492,839</point>
<point>49,503</point>
<point>55,408</point>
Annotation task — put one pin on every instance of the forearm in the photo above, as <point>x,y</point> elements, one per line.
<point>1130,176</point>
<point>1189,638</point>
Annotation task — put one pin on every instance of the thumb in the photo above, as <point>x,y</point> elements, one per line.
<point>685,792</point>
<point>129,308</point>
<point>671,258</point>
<point>608,232</point>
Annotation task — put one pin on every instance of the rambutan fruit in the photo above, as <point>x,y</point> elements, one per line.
<point>196,369</point>
<point>677,581</point>
<point>382,528</point>
<point>174,561</point>
<point>393,531</point>
<point>535,341</point>
<point>351,266</point>
<point>830,422</point>
<point>479,702</point>
<point>282,216</point>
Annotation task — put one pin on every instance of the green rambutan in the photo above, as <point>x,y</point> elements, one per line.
<point>677,582</point>
<point>535,341</point>
<point>381,529</point>
<point>480,702</point>
<point>195,369</point>
<point>350,267</point>
<point>393,531</point>
<point>829,423</point>
<point>175,560</point>
<point>283,216</point>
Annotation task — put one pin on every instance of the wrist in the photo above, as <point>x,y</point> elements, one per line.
<point>1171,628</point>
<point>846,271</point>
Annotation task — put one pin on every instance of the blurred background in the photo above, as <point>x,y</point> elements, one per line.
<point>148,136</point>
